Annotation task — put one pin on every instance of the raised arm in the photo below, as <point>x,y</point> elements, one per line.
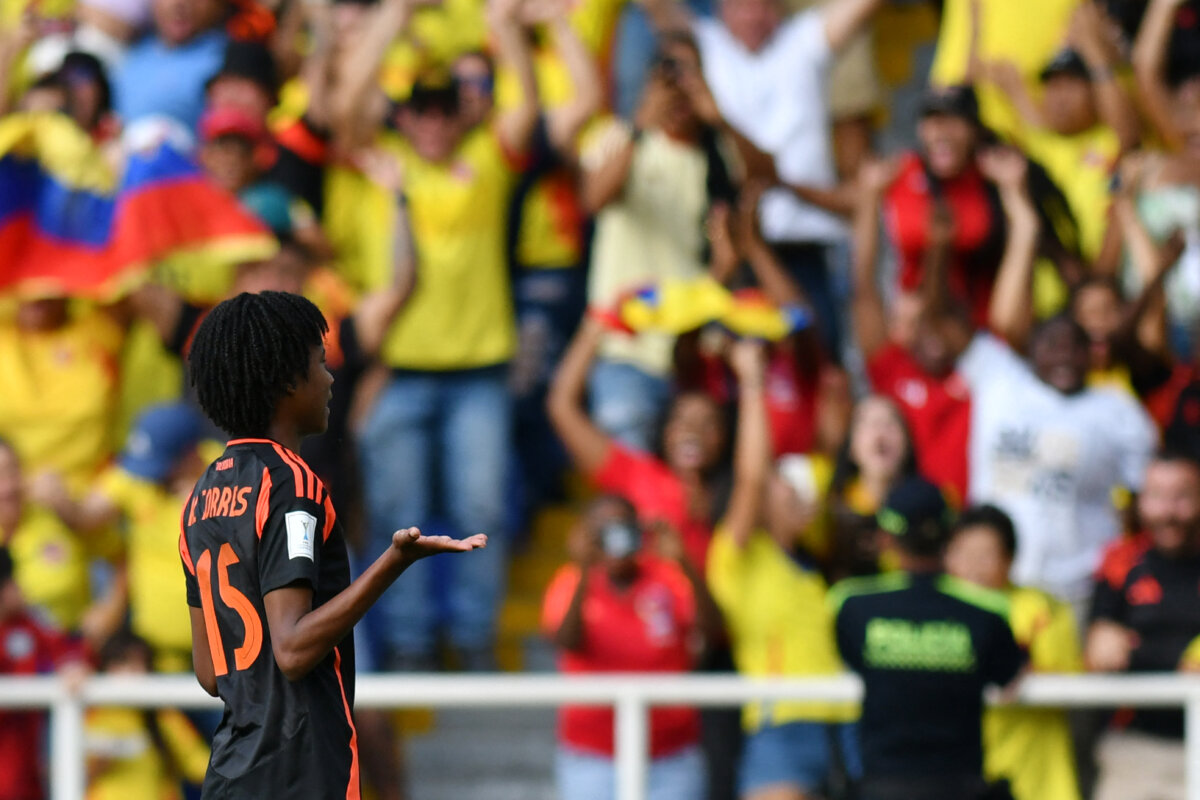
<point>778,286</point>
<point>315,70</point>
<point>87,514</point>
<point>606,165</point>
<point>514,126</point>
<point>667,15</point>
<point>1150,69</point>
<point>359,66</point>
<point>844,18</point>
<point>1010,314</point>
<point>752,447</point>
<point>1087,36</point>
<point>301,636</point>
<point>866,306</point>
<point>564,124</point>
<point>1147,318</point>
<point>587,445</point>
<point>1008,79</point>
<point>377,309</point>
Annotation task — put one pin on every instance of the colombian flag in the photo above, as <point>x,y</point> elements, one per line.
<point>69,226</point>
<point>678,306</point>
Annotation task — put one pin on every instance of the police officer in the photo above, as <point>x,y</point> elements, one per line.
<point>926,645</point>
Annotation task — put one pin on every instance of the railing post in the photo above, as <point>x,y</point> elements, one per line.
<point>67,779</point>
<point>632,746</point>
<point>1191,744</point>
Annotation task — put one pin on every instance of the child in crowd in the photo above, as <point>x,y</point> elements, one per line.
<point>139,753</point>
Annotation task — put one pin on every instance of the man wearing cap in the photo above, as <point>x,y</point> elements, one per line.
<point>1083,124</point>
<point>926,646</point>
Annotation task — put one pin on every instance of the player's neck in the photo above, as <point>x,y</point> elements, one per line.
<point>286,433</point>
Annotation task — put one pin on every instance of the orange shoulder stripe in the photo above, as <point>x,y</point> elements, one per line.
<point>263,507</point>
<point>297,475</point>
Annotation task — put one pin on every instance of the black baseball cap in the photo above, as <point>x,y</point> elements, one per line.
<point>249,60</point>
<point>953,101</point>
<point>917,516</point>
<point>1066,62</point>
<point>434,93</point>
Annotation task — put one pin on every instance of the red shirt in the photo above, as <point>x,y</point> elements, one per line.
<point>657,494</point>
<point>642,628</point>
<point>938,413</point>
<point>908,205</point>
<point>26,648</point>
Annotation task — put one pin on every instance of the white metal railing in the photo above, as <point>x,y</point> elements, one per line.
<point>630,695</point>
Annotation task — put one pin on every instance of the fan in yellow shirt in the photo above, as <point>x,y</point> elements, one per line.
<point>145,491</point>
<point>773,600</point>
<point>135,753</point>
<point>1004,32</point>
<point>50,561</point>
<point>58,367</point>
<point>1031,747</point>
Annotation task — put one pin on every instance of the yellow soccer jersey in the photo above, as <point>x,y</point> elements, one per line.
<point>1032,746</point>
<point>779,623</point>
<point>157,597</point>
<point>51,567</point>
<point>129,764</point>
<point>59,398</point>
<point>460,315</point>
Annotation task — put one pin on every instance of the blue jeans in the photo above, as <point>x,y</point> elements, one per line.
<point>798,754</point>
<point>440,436</point>
<point>628,404</point>
<point>809,265</point>
<point>549,305</point>
<point>586,776</point>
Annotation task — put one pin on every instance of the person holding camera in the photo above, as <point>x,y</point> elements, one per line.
<point>616,608</point>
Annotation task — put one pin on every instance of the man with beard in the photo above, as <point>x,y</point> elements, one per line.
<point>1145,614</point>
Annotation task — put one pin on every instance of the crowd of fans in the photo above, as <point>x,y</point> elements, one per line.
<point>742,323</point>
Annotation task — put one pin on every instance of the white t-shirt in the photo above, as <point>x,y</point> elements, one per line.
<point>1051,461</point>
<point>776,97</point>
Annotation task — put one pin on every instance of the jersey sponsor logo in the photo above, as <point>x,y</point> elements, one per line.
<point>224,464</point>
<point>301,531</point>
<point>1145,591</point>
<point>936,646</point>
<point>225,501</point>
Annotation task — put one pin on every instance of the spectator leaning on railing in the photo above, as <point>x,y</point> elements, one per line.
<point>1145,618</point>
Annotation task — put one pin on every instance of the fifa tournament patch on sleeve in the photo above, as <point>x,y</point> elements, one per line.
<point>301,531</point>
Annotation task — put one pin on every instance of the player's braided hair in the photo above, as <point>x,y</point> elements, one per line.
<point>248,353</point>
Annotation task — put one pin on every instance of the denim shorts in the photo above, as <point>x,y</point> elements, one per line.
<point>586,776</point>
<point>798,754</point>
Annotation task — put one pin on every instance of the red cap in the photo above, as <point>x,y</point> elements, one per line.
<point>227,121</point>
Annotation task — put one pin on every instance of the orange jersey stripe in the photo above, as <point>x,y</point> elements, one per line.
<point>330,517</point>
<point>353,791</point>
<point>263,507</point>
<point>297,475</point>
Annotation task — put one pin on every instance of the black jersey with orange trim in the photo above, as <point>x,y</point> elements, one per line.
<point>258,520</point>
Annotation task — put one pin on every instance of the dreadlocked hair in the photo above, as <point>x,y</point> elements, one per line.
<point>248,353</point>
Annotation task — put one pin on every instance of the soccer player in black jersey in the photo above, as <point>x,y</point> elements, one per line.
<point>268,579</point>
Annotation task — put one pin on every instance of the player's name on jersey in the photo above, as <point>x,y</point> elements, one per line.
<point>224,501</point>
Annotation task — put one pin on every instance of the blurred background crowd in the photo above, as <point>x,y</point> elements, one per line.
<point>675,291</point>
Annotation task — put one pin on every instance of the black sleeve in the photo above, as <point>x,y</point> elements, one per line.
<point>291,541</point>
<point>848,638</point>
<point>1005,656</point>
<point>193,588</point>
<point>1108,601</point>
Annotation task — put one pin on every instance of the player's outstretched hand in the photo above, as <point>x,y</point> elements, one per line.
<point>413,546</point>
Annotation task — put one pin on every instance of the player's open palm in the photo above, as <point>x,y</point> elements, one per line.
<point>413,546</point>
